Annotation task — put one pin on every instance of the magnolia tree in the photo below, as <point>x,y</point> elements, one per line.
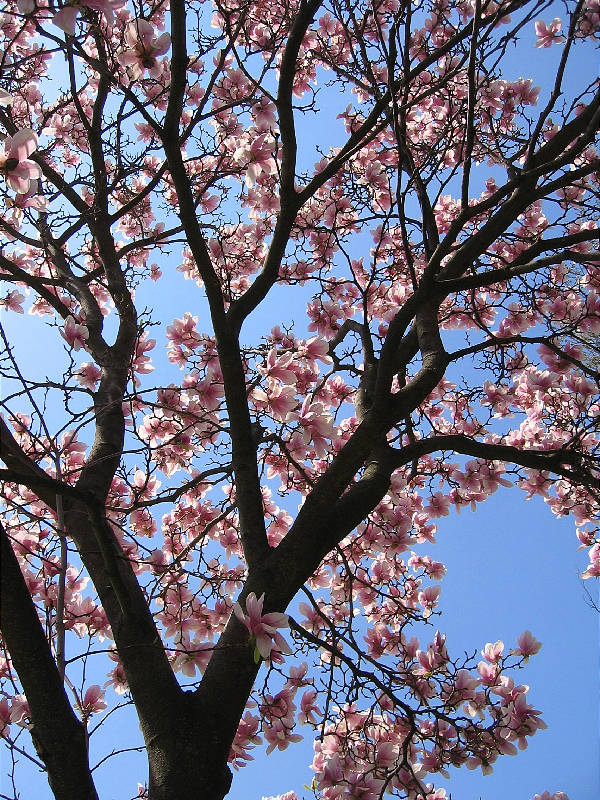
<point>166,504</point>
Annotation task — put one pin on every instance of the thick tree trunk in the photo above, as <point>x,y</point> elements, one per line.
<point>193,780</point>
<point>189,760</point>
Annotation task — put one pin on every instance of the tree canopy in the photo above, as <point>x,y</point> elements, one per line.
<point>311,275</point>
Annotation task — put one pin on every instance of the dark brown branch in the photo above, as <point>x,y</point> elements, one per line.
<point>22,470</point>
<point>290,203</point>
<point>569,464</point>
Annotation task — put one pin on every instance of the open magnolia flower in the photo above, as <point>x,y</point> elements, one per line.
<point>74,334</point>
<point>66,17</point>
<point>547,35</point>
<point>93,701</point>
<point>263,627</point>
<point>15,164</point>
<point>146,47</point>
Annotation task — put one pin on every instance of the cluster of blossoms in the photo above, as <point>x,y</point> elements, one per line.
<point>19,170</point>
<point>364,754</point>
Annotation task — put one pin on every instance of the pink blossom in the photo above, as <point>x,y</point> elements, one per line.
<point>93,701</point>
<point>428,599</point>
<point>593,570</point>
<point>279,735</point>
<point>142,363</point>
<point>317,424</point>
<point>547,35</point>
<point>488,673</point>
<point>279,367</point>
<point>74,334</point>
<point>31,199</point>
<point>297,676</point>
<point>315,349</point>
<point>263,113</point>
<point>280,401</point>
<point>13,301</point>
<point>195,657</point>
<point>522,719</point>
<point>493,652</point>
<point>438,506</point>
<point>66,17</point>
<point>88,375</point>
<point>528,645</point>
<point>4,716</point>
<point>146,47</point>
<point>309,709</point>
<point>258,158</point>
<point>284,796</point>
<point>263,627</point>
<point>116,677</point>
<point>15,163</point>
<point>20,713</point>
<point>245,738</point>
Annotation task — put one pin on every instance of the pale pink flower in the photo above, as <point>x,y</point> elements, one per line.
<point>279,736</point>
<point>438,506</point>
<point>116,677</point>
<point>317,424</point>
<point>74,334</point>
<point>309,711</point>
<point>281,400</point>
<point>5,98</point>
<point>146,47</point>
<point>315,349</point>
<point>528,645</point>
<point>428,599</point>
<point>258,157</point>
<point>263,114</point>
<point>263,627</point>
<point>66,17</point>
<point>13,301</point>
<point>493,652</point>
<point>195,657</point>
<point>488,673</point>
<point>593,570</point>
<point>278,367</point>
<point>88,375</point>
<point>15,164</point>
<point>93,701</point>
<point>30,199</point>
<point>284,796</point>
<point>547,796</point>
<point>4,716</point>
<point>20,713</point>
<point>245,739</point>
<point>548,34</point>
